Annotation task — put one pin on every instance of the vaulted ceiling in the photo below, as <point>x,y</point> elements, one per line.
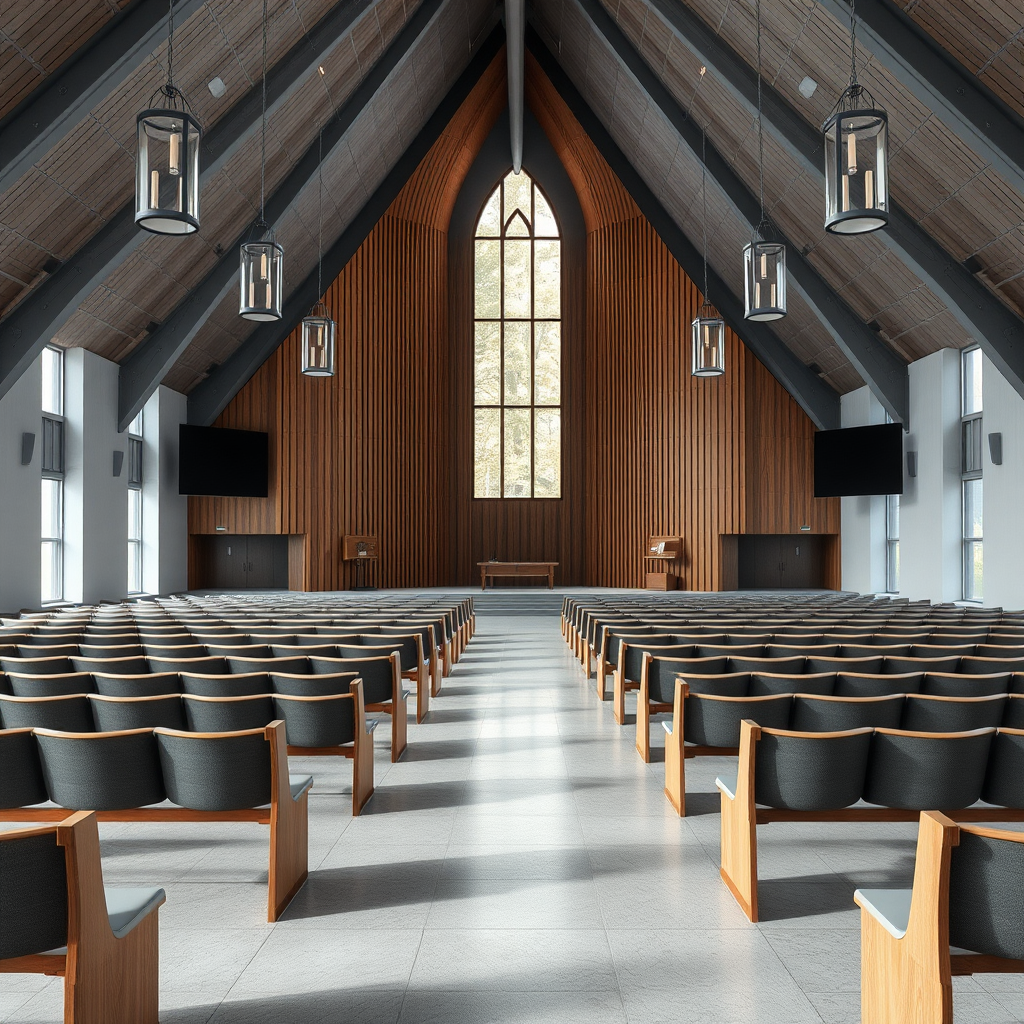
<point>374,76</point>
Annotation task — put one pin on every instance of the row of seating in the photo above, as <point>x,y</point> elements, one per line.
<point>708,723</point>
<point>166,775</point>
<point>862,775</point>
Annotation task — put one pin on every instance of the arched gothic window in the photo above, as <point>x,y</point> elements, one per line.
<point>517,451</point>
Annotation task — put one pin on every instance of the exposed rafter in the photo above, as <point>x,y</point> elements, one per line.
<point>33,322</point>
<point>972,111</point>
<point>880,368</point>
<point>515,32</point>
<point>209,398</point>
<point>64,98</point>
<point>813,395</point>
<point>151,360</point>
<point>996,328</point>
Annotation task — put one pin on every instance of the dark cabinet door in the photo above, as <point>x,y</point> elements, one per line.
<point>781,562</point>
<point>267,562</point>
<point>227,562</point>
<point>803,565</point>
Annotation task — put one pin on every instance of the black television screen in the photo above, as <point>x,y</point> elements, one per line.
<point>218,461</point>
<point>858,460</point>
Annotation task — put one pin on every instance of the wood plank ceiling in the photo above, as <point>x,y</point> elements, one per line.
<point>953,194</point>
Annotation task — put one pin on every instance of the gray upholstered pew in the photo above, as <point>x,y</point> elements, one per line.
<point>962,916</point>
<point>861,775</point>
<point>59,919</point>
<point>707,712</point>
<point>131,775</point>
<point>323,715</point>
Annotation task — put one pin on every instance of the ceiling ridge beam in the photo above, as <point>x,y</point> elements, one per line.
<point>152,359</point>
<point>879,367</point>
<point>90,74</point>
<point>27,328</point>
<point>998,330</point>
<point>209,398</point>
<point>812,394</point>
<point>967,106</point>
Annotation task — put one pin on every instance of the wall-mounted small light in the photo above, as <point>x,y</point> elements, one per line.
<point>220,528</point>
<point>118,462</point>
<point>806,529</point>
<point>28,444</point>
<point>911,463</point>
<point>995,448</point>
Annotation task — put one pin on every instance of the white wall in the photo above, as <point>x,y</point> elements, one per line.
<point>164,511</point>
<point>863,517</point>
<point>930,524</point>
<point>20,412</point>
<point>95,501</point>
<point>1003,493</point>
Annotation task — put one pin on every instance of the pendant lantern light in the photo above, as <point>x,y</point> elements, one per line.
<point>856,156</point>
<point>167,157</point>
<point>707,343</point>
<point>261,276</point>
<point>318,329</point>
<point>764,260</point>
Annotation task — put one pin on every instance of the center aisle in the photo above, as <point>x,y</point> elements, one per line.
<point>527,866</point>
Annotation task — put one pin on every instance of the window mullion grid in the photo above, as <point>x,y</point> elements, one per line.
<point>501,331</point>
<point>533,339</point>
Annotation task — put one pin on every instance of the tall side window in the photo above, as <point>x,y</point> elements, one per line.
<point>892,543</point>
<point>52,464</point>
<point>135,437</point>
<point>970,470</point>
<point>517,387</point>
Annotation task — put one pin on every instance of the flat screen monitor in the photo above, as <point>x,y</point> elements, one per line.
<point>222,462</point>
<point>858,460</point>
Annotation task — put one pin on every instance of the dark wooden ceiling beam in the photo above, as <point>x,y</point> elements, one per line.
<point>996,328</point>
<point>815,397</point>
<point>151,360</point>
<point>209,398</point>
<point>34,321</point>
<point>84,80</point>
<point>879,367</point>
<point>935,78</point>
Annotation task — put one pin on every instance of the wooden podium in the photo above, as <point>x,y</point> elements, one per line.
<point>660,554</point>
<point>363,551</point>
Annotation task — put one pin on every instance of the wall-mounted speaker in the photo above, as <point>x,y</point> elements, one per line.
<point>28,446</point>
<point>995,448</point>
<point>118,462</point>
<point>911,463</point>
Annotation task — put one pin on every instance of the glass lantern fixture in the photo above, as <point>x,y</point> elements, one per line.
<point>261,279</point>
<point>708,343</point>
<point>318,331</point>
<point>167,166</point>
<point>764,280</point>
<point>856,165</point>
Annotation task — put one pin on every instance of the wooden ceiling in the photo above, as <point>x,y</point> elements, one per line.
<point>946,188</point>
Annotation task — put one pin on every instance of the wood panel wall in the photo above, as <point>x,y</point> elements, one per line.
<point>385,447</point>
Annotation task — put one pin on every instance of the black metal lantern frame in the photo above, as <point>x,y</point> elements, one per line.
<point>167,165</point>
<point>856,164</point>
<point>261,276</point>
<point>318,337</point>
<point>707,343</point>
<point>764,277</point>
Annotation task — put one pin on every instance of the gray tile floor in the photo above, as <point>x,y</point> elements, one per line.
<point>519,865</point>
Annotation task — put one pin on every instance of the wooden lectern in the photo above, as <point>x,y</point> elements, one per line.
<point>363,551</point>
<point>660,553</point>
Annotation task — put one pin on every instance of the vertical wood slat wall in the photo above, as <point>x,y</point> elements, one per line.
<point>385,447</point>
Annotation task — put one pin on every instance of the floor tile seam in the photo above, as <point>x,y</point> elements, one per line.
<point>800,988</point>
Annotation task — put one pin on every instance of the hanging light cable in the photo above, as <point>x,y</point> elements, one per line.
<point>764,259</point>
<point>708,328</point>
<point>167,157</point>
<point>262,258</point>
<point>318,328</point>
<point>856,156</point>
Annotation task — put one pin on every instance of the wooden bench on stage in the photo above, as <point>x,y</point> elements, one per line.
<point>495,569</point>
